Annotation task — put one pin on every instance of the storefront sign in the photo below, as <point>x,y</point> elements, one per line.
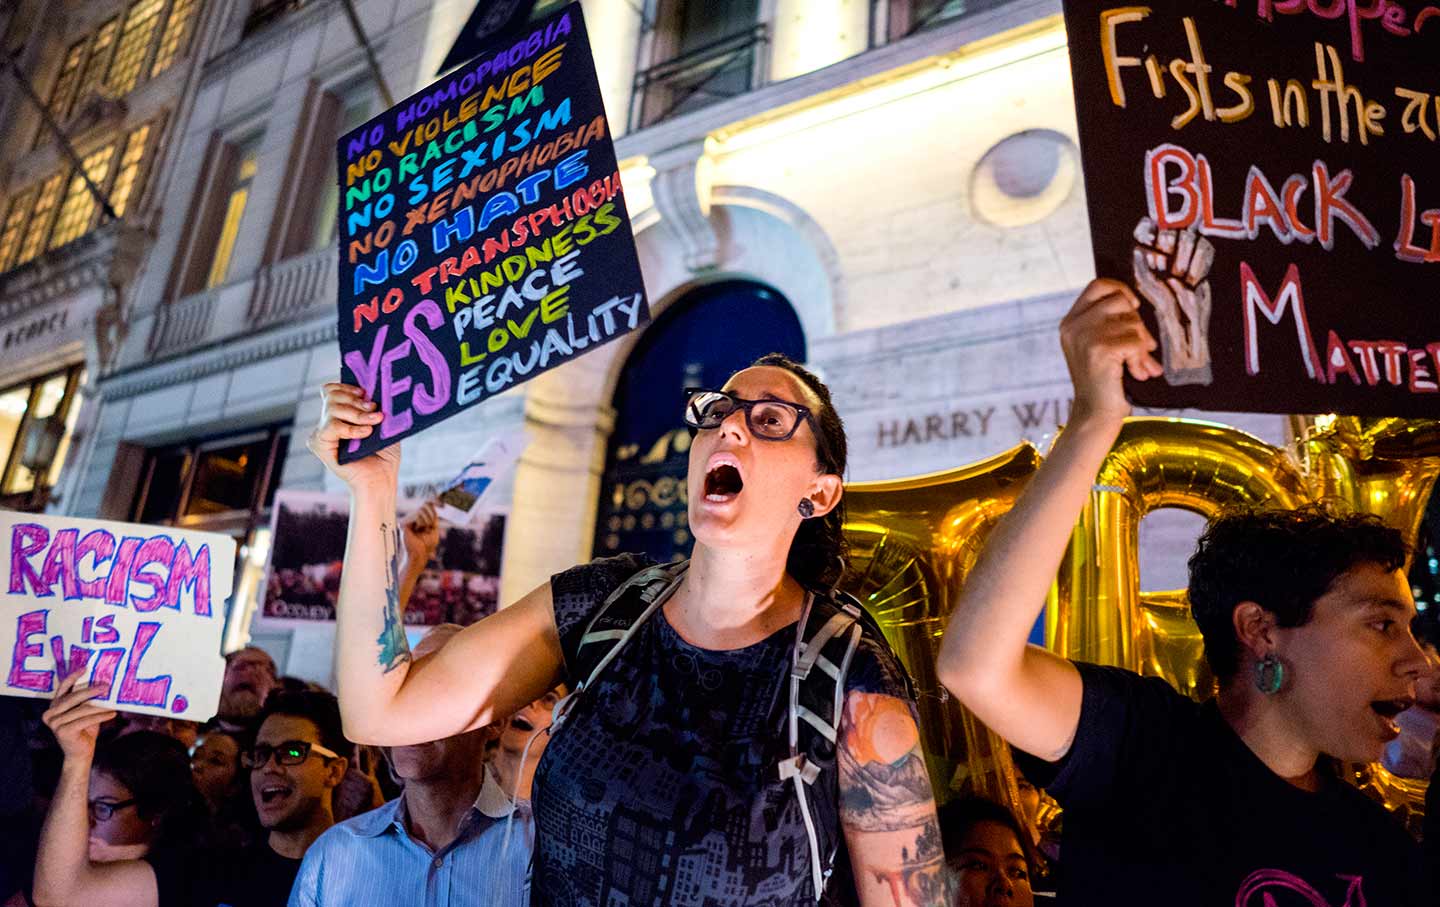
<point>1263,175</point>
<point>138,608</point>
<point>483,236</point>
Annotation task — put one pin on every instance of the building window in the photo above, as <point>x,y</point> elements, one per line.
<point>177,33</point>
<point>14,227</point>
<point>141,25</point>
<point>131,173</point>
<point>906,17</point>
<point>704,52</point>
<point>98,66</point>
<point>77,211</point>
<point>37,419</point>
<point>242,175</point>
<point>38,228</point>
<point>63,94</point>
<point>223,484</point>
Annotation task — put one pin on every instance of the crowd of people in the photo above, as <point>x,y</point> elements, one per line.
<point>734,730</point>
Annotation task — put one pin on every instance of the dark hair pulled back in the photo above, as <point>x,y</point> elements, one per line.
<point>156,769</point>
<point>817,553</point>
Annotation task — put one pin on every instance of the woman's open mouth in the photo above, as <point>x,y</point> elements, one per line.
<point>723,483</point>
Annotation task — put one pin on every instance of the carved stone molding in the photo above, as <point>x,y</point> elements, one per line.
<point>681,188</point>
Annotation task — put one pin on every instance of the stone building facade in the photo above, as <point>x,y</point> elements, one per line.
<point>897,178</point>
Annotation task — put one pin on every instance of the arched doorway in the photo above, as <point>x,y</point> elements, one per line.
<point>700,340</point>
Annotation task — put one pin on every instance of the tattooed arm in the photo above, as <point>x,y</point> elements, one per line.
<point>490,669</point>
<point>887,806</point>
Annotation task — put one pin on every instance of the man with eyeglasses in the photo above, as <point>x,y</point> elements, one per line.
<point>300,755</point>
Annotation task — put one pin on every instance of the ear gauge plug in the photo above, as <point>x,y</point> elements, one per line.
<point>806,508</point>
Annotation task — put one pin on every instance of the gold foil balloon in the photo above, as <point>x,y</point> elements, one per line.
<point>911,543</point>
<point>1387,467</point>
<point>914,540</point>
<point>1099,613</point>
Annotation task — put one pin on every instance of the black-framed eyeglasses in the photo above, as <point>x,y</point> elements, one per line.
<point>768,420</point>
<point>291,752</point>
<point>105,810</point>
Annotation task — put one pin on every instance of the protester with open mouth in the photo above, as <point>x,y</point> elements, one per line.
<point>1306,619</point>
<point>297,761</point>
<point>687,764</point>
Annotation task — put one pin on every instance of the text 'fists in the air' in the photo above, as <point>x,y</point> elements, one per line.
<point>346,415</point>
<point>1102,336</point>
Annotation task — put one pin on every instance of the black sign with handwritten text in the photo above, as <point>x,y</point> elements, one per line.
<point>1266,175</point>
<point>483,233</point>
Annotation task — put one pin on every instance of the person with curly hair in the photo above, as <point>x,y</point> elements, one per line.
<point>1306,619</point>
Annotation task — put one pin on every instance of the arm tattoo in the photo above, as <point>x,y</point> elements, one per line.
<point>885,790</point>
<point>394,647</point>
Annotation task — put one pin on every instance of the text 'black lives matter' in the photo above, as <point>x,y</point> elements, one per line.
<point>1264,175</point>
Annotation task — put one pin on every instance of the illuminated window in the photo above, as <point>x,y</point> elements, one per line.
<point>38,229</point>
<point>77,211</point>
<point>130,174</point>
<point>99,63</point>
<point>140,25</point>
<point>177,32</point>
<point>14,226</point>
<point>36,419</point>
<point>63,94</point>
<point>239,194</point>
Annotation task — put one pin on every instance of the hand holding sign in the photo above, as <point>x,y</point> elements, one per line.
<point>74,718</point>
<point>346,415</point>
<point>1103,337</point>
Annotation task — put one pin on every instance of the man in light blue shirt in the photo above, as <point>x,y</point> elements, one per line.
<point>454,837</point>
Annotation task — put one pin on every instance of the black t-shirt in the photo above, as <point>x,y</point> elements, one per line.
<point>182,876</point>
<point>1164,804</point>
<point>256,876</point>
<point>661,789</point>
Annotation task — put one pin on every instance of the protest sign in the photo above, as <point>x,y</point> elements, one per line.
<point>1263,174</point>
<point>483,233</point>
<point>140,608</point>
<point>461,583</point>
<point>489,18</point>
<point>464,496</point>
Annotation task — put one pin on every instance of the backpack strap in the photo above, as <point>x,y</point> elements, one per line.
<point>826,637</point>
<point>612,626</point>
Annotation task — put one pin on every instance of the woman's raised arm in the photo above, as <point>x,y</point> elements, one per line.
<point>491,669</point>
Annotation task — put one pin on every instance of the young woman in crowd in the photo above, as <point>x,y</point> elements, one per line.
<point>223,783</point>
<point>676,749</point>
<point>1306,624</point>
<point>989,852</point>
<point>122,821</point>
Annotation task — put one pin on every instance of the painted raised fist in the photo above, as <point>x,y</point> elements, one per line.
<point>1172,270</point>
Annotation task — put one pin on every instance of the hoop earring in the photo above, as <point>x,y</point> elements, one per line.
<point>1269,675</point>
<point>806,508</point>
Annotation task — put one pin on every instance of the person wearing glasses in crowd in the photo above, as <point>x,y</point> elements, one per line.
<point>298,759</point>
<point>669,779</point>
<point>123,823</point>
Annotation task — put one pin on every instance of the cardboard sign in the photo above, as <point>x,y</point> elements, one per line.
<point>141,608</point>
<point>489,19</point>
<point>1264,175</point>
<point>483,233</point>
<point>461,583</point>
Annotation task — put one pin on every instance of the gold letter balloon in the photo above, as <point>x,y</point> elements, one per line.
<point>913,541</point>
